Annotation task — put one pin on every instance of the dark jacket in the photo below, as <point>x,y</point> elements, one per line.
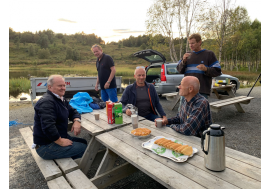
<point>51,118</point>
<point>130,95</point>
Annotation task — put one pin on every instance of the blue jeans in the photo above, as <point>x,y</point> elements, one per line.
<point>107,94</point>
<point>55,151</point>
<point>151,117</point>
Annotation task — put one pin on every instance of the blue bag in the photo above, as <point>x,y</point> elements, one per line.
<point>81,101</point>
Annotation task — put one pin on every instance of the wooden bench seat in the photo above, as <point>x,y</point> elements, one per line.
<point>55,171</point>
<point>217,105</point>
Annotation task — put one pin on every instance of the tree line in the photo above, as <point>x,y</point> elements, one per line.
<point>46,37</point>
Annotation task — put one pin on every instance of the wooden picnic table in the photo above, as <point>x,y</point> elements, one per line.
<point>96,127</point>
<point>224,100</point>
<point>242,170</point>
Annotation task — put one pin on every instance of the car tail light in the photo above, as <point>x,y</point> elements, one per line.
<point>163,77</point>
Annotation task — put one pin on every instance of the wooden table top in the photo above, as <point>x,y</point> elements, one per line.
<point>96,127</point>
<point>242,170</point>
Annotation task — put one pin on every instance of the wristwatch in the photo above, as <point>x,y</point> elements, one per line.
<point>108,82</point>
<point>77,120</point>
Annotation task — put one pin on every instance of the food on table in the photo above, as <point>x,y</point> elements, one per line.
<point>179,148</point>
<point>187,151</point>
<point>141,132</point>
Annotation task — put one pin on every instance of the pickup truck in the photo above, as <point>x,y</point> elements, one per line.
<point>165,76</point>
<point>73,85</point>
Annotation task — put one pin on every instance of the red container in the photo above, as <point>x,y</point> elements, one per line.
<point>110,113</point>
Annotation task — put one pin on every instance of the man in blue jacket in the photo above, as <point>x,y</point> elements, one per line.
<point>144,96</point>
<point>52,111</point>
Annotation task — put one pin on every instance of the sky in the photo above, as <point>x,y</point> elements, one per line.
<point>112,20</point>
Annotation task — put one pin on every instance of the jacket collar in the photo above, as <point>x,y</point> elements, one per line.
<point>54,95</point>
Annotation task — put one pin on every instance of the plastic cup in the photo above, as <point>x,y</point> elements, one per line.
<point>134,119</point>
<point>96,116</point>
<point>159,123</point>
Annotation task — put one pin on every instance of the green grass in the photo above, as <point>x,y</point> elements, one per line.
<point>20,85</point>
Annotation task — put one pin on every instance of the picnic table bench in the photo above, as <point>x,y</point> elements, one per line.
<point>55,171</point>
<point>224,100</point>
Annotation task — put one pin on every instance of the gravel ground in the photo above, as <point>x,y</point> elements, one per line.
<point>241,129</point>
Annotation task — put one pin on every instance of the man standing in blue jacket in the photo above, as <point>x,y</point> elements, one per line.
<point>52,111</point>
<point>144,96</point>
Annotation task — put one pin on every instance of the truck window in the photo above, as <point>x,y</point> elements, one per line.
<point>154,71</point>
<point>171,70</point>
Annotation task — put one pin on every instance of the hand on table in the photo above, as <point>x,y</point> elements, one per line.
<point>128,112</point>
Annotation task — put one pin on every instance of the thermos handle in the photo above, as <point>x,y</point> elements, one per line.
<point>202,140</point>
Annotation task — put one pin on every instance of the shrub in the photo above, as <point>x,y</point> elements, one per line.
<point>43,53</point>
<point>31,50</point>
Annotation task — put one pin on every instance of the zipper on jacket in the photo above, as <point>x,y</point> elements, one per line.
<point>151,102</point>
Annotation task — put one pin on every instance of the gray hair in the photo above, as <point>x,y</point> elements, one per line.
<point>98,46</point>
<point>50,79</point>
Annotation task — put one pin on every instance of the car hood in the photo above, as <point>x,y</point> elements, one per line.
<point>226,75</point>
<point>151,56</point>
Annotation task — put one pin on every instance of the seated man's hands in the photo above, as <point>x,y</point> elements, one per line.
<point>76,127</point>
<point>128,112</point>
<point>63,142</point>
<point>164,121</point>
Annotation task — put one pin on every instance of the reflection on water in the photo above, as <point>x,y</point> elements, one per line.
<point>16,95</point>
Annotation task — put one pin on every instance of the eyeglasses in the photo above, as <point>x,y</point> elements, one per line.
<point>140,67</point>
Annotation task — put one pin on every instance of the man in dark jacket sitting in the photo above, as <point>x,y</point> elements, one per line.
<point>52,111</point>
<point>144,96</point>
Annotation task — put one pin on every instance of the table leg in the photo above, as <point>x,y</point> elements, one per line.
<point>89,155</point>
<point>107,162</point>
<point>231,94</point>
<point>216,93</point>
<point>239,108</point>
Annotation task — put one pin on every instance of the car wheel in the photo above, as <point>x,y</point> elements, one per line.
<point>235,87</point>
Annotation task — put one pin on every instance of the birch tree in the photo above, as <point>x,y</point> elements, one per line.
<point>217,21</point>
<point>161,16</point>
<point>188,17</point>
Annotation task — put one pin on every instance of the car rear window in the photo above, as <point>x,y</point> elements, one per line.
<point>171,70</point>
<point>154,71</point>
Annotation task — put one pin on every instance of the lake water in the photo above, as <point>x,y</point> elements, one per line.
<point>14,96</point>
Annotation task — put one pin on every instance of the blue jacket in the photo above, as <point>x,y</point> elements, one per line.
<point>51,118</point>
<point>130,95</point>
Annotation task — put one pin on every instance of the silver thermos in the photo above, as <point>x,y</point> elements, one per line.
<point>213,146</point>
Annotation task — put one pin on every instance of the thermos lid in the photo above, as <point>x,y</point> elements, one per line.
<point>215,126</point>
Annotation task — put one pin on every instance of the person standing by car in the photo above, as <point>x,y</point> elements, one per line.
<point>142,95</point>
<point>194,116</point>
<point>106,75</point>
<point>200,63</point>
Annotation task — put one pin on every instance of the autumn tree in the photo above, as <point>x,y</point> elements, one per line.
<point>161,16</point>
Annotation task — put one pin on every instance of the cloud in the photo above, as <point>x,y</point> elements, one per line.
<point>65,20</point>
<point>120,30</point>
<point>126,31</point>
<point>111,36</point>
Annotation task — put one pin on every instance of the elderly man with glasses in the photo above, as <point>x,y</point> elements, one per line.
<point>143,95</point>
